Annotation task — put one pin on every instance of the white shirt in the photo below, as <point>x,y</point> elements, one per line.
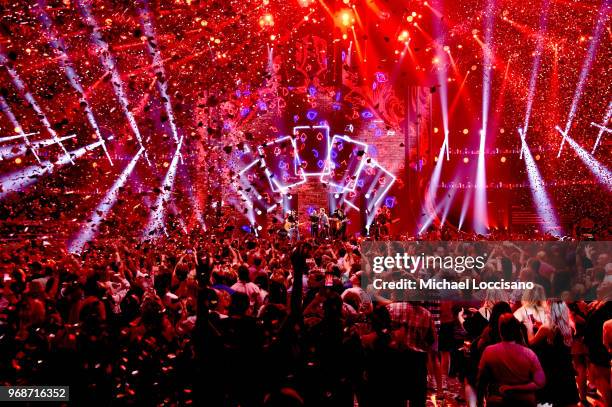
<point>252,290</point>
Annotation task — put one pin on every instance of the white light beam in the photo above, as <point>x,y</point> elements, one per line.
<point>109,64</point>
<point>602,127</point>
<point>158,65</point>
<point>9,114</point>
<point>28,96</point>
<point>19,180</point>
<point>87,233</point>
<point>64,62</point>
<point>543,206</point>
<point>598,169</point>
<point>157,217</point>
<point>9,152</point>
<point>586,68</point>
<point>534,72</point>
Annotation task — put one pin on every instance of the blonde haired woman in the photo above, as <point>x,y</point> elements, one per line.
<point>552,344</point>
<point>532,313</point>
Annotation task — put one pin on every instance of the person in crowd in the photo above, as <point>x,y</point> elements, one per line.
<point>541,274</point>
<point>386,377</point>
<point>417,333</point>
<point>598,355</point>
<point>509,373</point>
<point>579,315</point>
<point>479,338</point>
<point>532,312</point>
<point>323,224</point>
<point>553,344</point>
<point>251,290</point>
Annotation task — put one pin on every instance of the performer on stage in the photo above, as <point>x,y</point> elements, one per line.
<point>381,223</point>
<point>323,223</point>
<point>291,226</point>
<point>340,220</point>
<point>314,224</point>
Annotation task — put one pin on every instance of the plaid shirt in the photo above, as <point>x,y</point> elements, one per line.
<point>416,325</point>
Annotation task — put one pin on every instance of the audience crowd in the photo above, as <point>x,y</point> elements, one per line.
<point>253,321</point>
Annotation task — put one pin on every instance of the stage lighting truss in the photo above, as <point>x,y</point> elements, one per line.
<point>313,147</point>
<point>374,182</point>
<point>252,184</point>
<point>346,157</point>
<point>345,168</point>
<point>280,160</point>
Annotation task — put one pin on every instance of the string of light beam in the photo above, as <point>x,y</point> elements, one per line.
<point>598,169</point>
<point>481,218</point>
<point>534,71</point>
<point>21,179</point>
<point>434,211</point>
<point>443,206</point>
<point>156,221</point>
<point>32,101</point>
<point>543,206</point>
<point>88,232</point>
<point>434,182</point>
<point>602,127</point>
<point>11,151</point>
<point>158,65</point>
<point>17,127</point>
<point>15,137</point>
<point>586,68</point>
<point>442,74</point>
<point>109,64</point>
<point>64,62</point>
<point>464,207</point>
<point>447,207</point>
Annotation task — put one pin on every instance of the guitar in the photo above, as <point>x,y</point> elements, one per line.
<point>337,223</point>
<point>291,225</point>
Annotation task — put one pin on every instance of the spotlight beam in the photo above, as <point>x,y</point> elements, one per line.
<point>534,72</point>
<point>158,65</point>
<point>586,68</point>
<point>602,127</point>
<point>109,64</point>
<point>442,75</point>
<point>30,99</point>
<point>488,60</point>
<point>598,169</point>
<point>64,62</point>
<point>541,199</point>
<point>157,217</point>
<point>434,181</point>
<point>9,138</point>
<point>481,219</point>
<point>9,114</point>
<point>480,199</point>
<point>87,233</point>
<point>19,180</point>
<point>464,207</point>
<point>8,152</point>
<point>434,210</point>
<point>447,207</point>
